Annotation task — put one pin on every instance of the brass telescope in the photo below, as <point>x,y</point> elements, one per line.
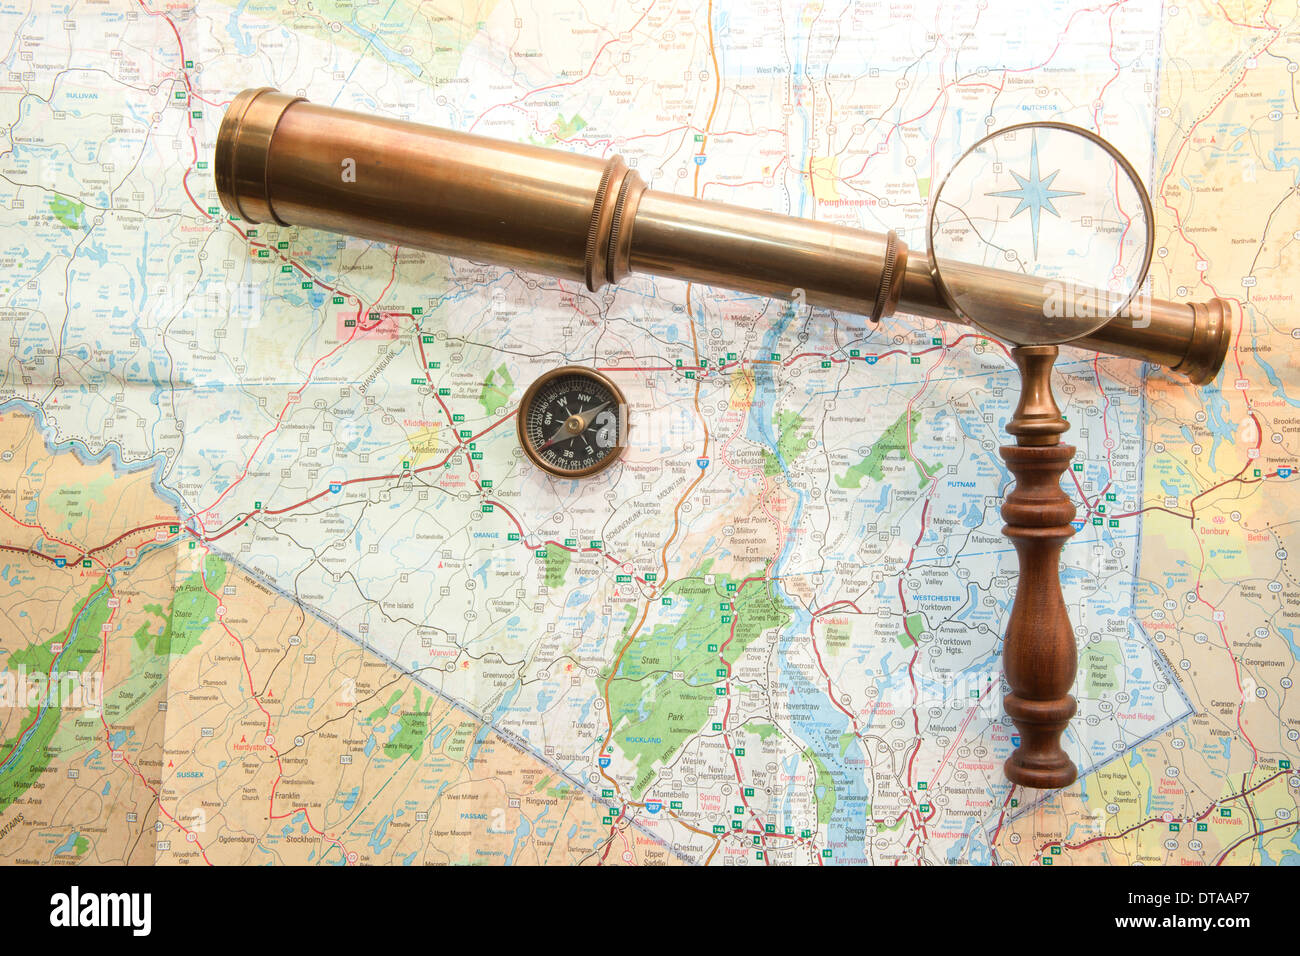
<point>282,159</point>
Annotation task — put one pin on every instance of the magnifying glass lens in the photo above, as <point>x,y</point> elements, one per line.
<point>1063,218</point>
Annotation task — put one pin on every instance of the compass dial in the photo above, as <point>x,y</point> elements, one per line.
<point>572,422</point>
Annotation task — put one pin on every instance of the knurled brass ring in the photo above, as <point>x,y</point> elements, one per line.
<point>888,272</point>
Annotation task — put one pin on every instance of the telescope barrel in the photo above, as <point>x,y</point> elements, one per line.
<point>282,159</point>
<point>1190,338</point>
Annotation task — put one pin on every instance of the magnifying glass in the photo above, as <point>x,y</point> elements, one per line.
<point>1061,211</point>
<point>1040,234</point>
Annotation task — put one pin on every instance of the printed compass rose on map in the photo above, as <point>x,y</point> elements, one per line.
<point>1035,193</point>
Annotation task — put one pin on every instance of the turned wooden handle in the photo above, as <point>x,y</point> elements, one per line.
<point>1039,656</point>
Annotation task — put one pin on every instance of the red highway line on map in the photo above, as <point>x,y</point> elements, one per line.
<point>993,842</point>
<point>1104,837</point>
<point>123,757</point>
<point>554,86</point>
<point>269,740</point>
<point>293,399</point>
<point>1253,836</point>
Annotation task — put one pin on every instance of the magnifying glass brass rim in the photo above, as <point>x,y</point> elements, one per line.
<point>1148,213</point>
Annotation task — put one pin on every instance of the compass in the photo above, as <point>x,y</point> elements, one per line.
<point>572,422</point>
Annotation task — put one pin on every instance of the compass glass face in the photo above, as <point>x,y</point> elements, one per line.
<point>572,423</point>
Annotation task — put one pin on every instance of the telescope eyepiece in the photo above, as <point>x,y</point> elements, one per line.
<point>243,151</point>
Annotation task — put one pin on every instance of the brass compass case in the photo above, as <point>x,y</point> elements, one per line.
<point>575,424</point>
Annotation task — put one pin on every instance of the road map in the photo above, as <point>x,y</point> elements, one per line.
<point>278,585</point>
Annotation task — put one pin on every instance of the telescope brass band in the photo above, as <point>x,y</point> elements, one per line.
<point>279,159</point>
<point>889,287</point>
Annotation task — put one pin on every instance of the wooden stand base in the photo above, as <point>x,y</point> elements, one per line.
<point>1039,655</point>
